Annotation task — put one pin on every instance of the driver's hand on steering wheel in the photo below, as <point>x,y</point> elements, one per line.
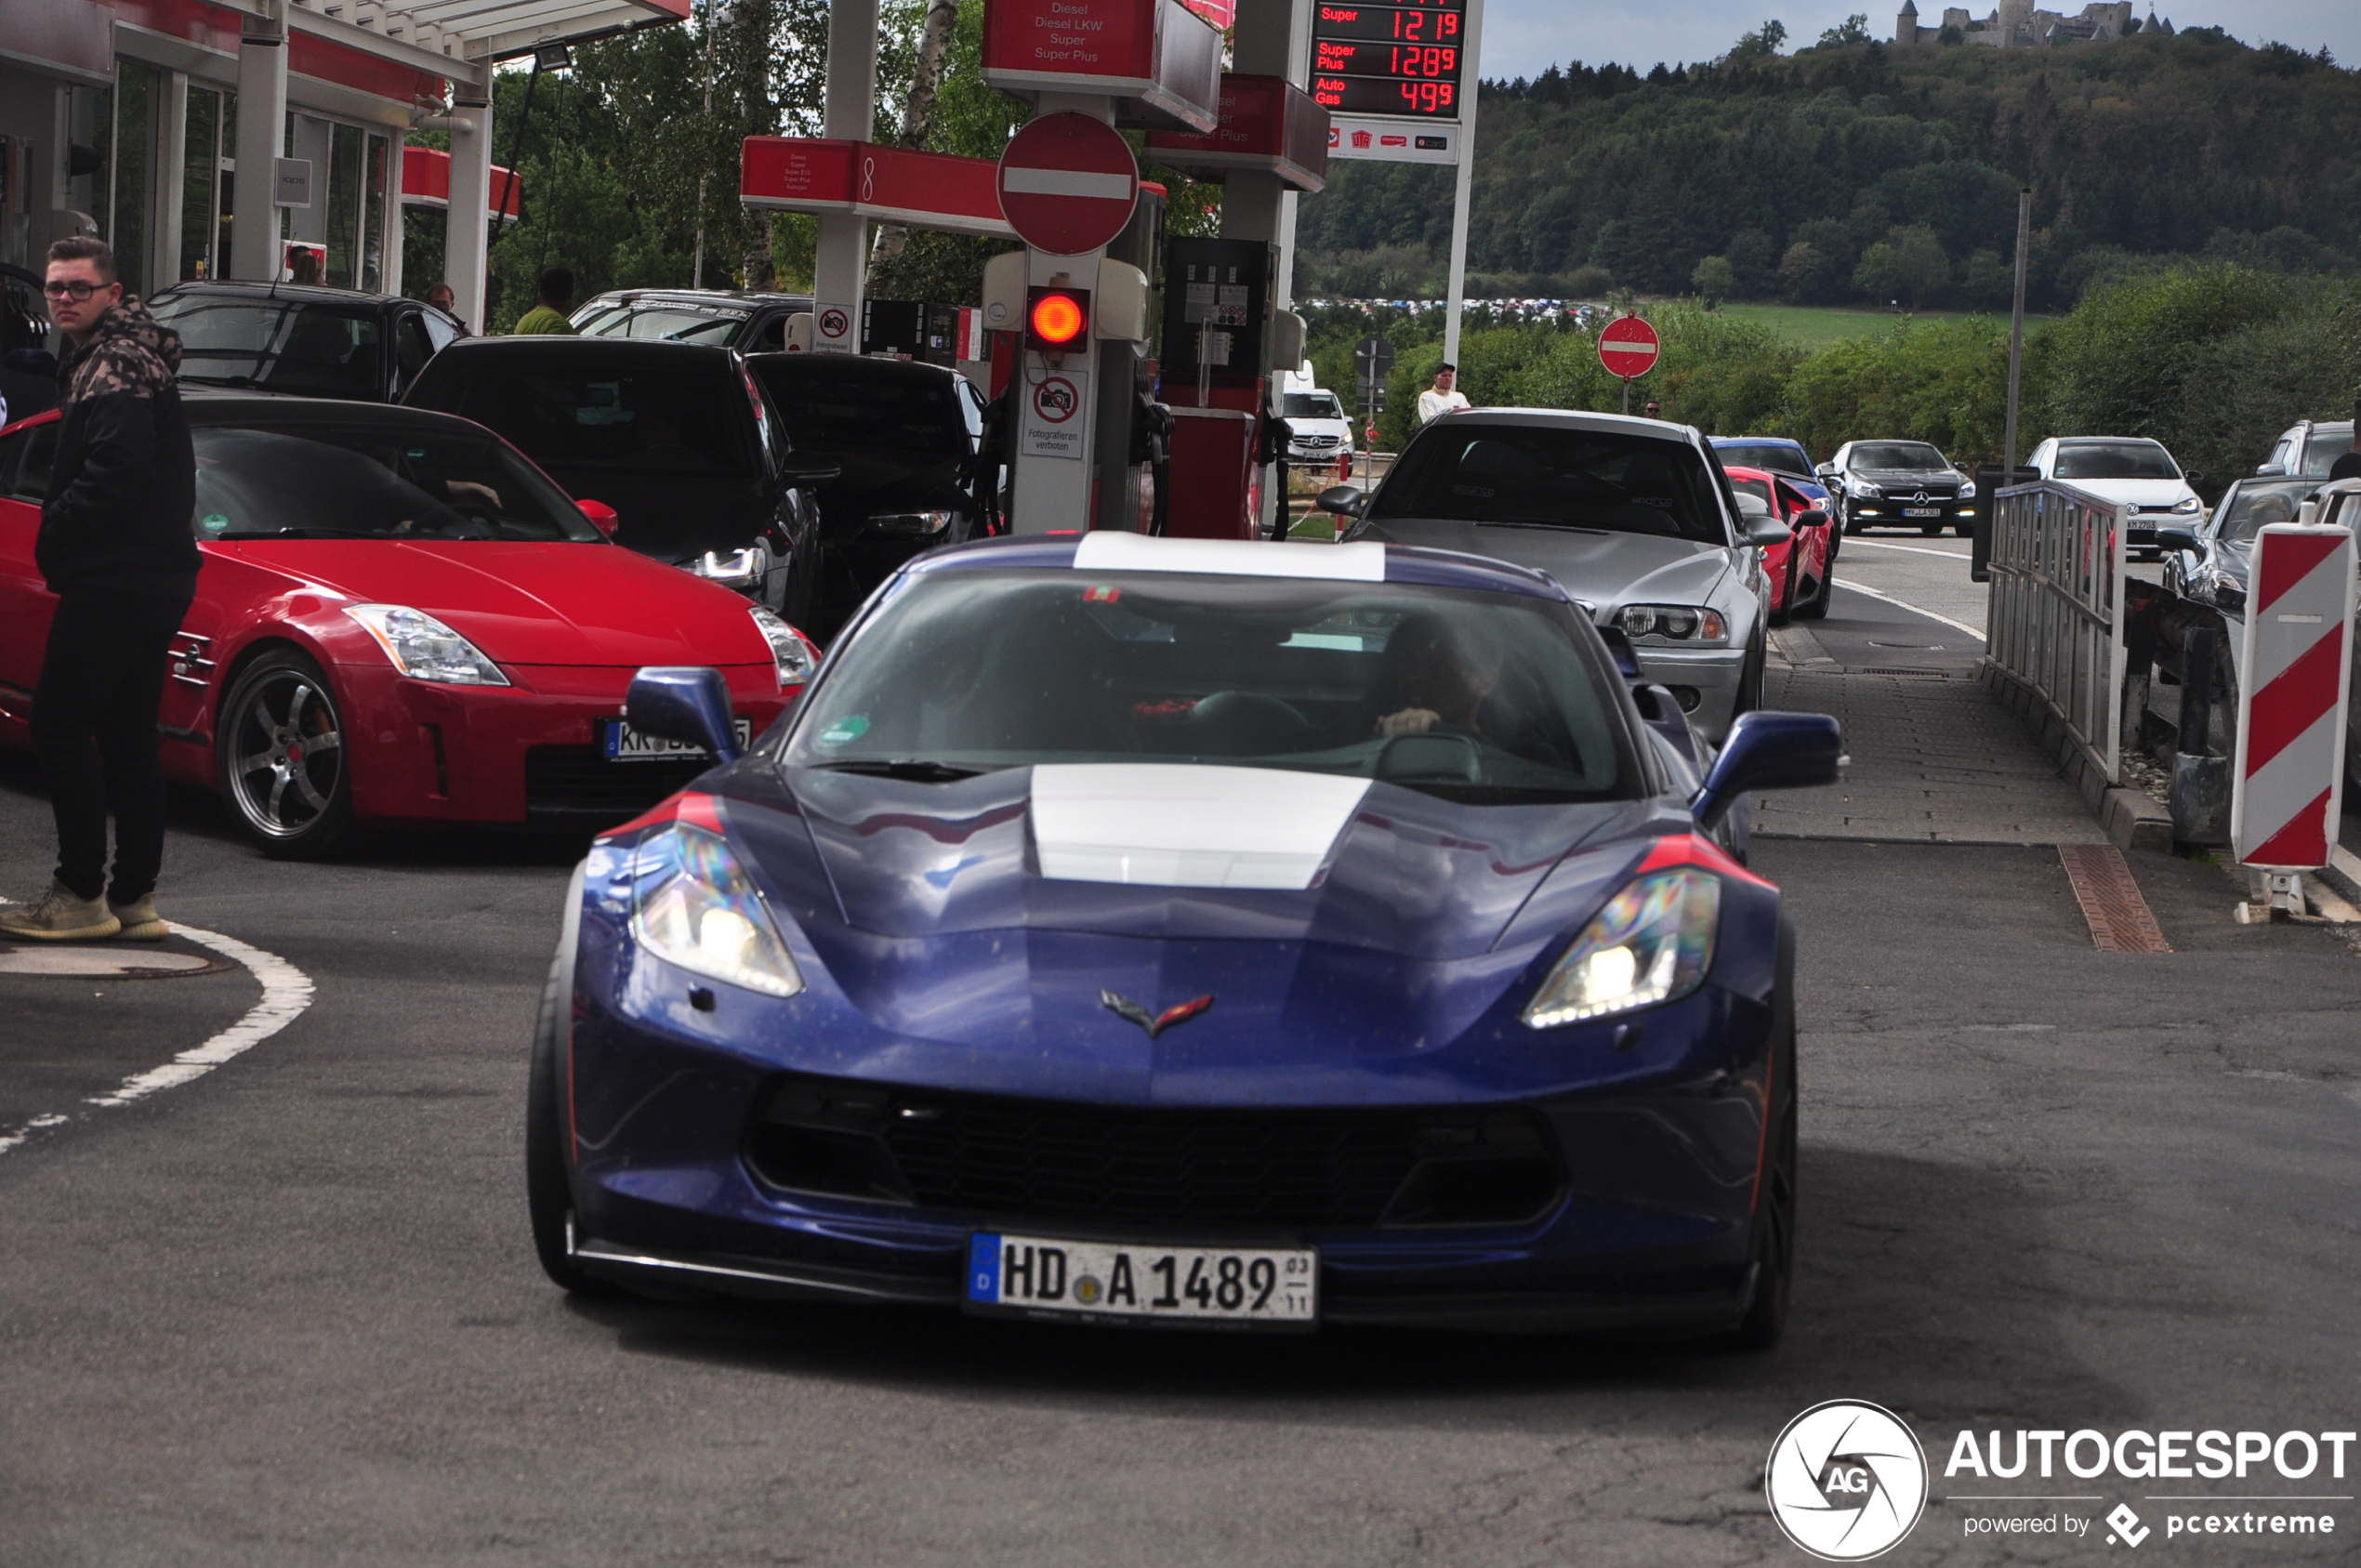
<point>1410,721</point>
<point>468,490</point>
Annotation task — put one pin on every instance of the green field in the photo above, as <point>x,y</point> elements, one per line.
<point>1816,326</point>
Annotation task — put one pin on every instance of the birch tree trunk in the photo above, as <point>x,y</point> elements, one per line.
<point>934,49</point>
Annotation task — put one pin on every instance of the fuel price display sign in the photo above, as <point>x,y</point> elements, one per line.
<point>1388,60</point>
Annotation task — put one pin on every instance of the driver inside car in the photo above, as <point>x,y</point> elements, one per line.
<point>1442,674</point>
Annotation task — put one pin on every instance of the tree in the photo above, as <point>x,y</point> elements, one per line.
<point>926,78</point>
<point>1764,40</point>
<point>1755,256</point>
<point>1907,265</point>
<point>1809,276</point>
<point>1715,280</point>
<point>1855,30</point>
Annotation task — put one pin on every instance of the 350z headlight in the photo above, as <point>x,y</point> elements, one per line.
<point>693,906</point>
<point>1653,943</point>
<point>423,648</point>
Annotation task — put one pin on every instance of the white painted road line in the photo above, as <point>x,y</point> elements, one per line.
<point>1915,610</point>
<point>1852,540</point>
<point>286,991</point>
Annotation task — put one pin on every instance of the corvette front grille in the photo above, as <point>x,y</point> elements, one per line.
<point>1018,1159</point>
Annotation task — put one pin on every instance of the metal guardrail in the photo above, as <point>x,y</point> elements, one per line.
<point>2056,617</point>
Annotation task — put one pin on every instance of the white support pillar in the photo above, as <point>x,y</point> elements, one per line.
<point>262,130</point>
<point>391,273</point>
<point>1059,485</point>
<point>840,262</point>
<point>172,181</point>
<point>463,244</point>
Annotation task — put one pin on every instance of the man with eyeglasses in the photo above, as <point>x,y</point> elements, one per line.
<point>116,548</point>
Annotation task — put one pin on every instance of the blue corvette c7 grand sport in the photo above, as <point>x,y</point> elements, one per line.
<point>1134,931</point>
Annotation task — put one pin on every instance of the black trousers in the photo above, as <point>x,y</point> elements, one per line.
<point>94,726</point>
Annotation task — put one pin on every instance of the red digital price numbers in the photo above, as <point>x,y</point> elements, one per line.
<point>1386,59</point>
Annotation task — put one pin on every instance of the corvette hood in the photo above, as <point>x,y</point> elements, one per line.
<point>1596,567</point>
<point>1181,851</point>
<point>533,603</point>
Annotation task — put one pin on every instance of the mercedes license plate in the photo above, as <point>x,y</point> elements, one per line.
<point>1253,1288</point>
<point>1922,511</point>
<point>623,743</point>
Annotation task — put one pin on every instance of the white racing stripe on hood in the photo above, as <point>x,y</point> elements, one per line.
<point>1180,825</point>
<point>1109,549</point>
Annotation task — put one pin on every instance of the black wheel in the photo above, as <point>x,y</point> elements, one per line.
<point>1846,520</point>
<point>1816,607</point>
<point>1786,612</point>
<point>279,759</point>
<point>548,1190</point>
<point>1772,1250</point>
<point>1963,530</point>
<point>1930,529</point>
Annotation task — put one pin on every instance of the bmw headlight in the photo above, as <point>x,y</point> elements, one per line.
<point>733,569</point>
<point>910,525</point>
<point>1653,943</point>
<point>794,657</point>
<point>1677,623</point>
<point>423,648</point>
<point>693,906</point>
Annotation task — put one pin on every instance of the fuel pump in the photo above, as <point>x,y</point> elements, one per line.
<point>1222,334</point>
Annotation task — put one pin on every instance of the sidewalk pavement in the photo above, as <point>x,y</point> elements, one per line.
<point>1935,759</point>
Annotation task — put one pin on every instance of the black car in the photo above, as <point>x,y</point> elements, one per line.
<point>909,439</point>
<point>752,323</point>
<point>1898,484</point>
<point>677,437</point>
<point>24,329</point>
<point>296,339</point>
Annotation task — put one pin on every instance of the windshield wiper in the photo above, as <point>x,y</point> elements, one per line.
<point>222,380</point>
<point>916,770</point>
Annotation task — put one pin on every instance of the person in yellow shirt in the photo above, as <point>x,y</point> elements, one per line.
<point>549,316</point>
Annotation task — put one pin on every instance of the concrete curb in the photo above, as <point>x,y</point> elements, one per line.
<point>2130,819</point>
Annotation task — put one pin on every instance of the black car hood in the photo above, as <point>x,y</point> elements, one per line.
<point>671,516</point>
<point>1906,476</point>
<point>874,482</point>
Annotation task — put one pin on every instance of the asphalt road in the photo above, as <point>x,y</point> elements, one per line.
<point>287,1313</point>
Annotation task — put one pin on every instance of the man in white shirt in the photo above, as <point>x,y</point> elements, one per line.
<point>1439,399</point>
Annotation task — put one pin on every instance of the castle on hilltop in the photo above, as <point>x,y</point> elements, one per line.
<point>2017,23</point>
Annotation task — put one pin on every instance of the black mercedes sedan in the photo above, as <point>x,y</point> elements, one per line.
<point>309,341</point>
<point>676,438</point>
<point>909,439</point>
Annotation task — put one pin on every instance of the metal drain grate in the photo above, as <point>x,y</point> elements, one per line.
<point>2120,918</point>
<point>1912,673</point>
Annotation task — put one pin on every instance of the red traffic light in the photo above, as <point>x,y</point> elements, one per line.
<point>1057,318</point>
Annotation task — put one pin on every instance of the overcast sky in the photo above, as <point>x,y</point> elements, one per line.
<point>1523,37</point>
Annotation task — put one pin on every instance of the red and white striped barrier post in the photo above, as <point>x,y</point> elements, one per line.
<point>2294,676</point>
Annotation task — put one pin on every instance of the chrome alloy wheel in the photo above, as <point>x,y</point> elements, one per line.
<point>285,749</point>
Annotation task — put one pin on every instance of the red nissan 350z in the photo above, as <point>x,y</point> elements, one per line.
<point>401,621</point>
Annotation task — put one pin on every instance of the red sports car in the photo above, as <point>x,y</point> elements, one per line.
<point>401,620</point>
<point>1798,569</point>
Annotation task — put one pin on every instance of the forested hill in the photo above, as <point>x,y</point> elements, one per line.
<point>1865,169</point>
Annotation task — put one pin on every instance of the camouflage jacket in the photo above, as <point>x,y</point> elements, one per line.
<point>122,484</point>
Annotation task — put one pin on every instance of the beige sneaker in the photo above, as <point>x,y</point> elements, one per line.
<point>140,922</point>
<point>59,915</point>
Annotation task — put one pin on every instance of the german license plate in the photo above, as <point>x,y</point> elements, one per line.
<point>623,743</point>
<point>1922,511</point>
<point>1254,1287</point>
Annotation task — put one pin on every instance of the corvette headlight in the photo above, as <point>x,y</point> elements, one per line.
<point>1681,623</point>
<point>693,906</point>
<point>794,657</point>
<point>1653,943</point>
<point>731,569</point>
<point>423,648</point>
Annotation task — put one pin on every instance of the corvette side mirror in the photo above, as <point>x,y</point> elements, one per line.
<point>686,702</point>
<point>1769,751</point>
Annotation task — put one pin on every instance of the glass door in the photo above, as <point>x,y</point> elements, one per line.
<point>201,186</point>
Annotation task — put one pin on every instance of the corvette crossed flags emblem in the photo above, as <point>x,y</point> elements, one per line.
<point>1154,1024</point>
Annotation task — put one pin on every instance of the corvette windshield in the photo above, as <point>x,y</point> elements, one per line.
<point>1490,699</point>
<point>367,481</point>
<point>1555,476</point>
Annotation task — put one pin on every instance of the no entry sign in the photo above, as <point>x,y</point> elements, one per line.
<point>1068,183</point>
<point>1627,347</point>
<point>2294,663</point>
